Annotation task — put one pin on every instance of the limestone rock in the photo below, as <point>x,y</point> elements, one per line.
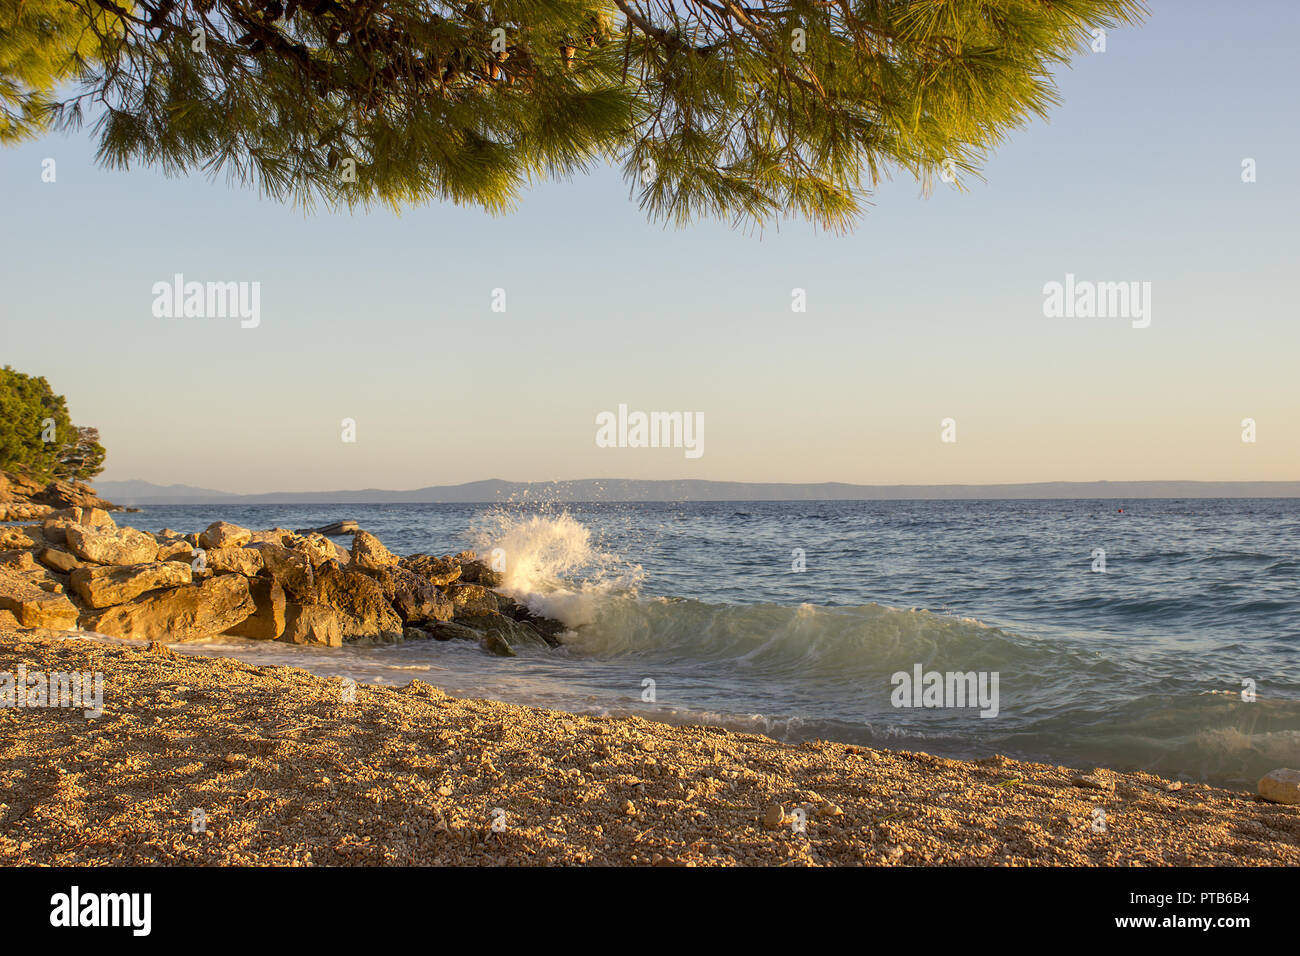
<point>290,569</point>
<point>476,572</point>
<point>437,571</point>
<point>369,553</point>
<point>267,623</point>
<point>175,549</point>
<point>414,599</point>
<point>472,599</point>
<point>32,606</point>
<point>14,538</point>
<point>104,586</point>
<point>223,534</point>
<point>1281,786</point>
<point>311,624</point>
<point>119,546</point>
<point>448,631</point>
<point>186,613</point>
<point>359,602</point>
<point>245,561</point>
<point>495,643</point>
<point>318,549</point>
<point>57,560</point>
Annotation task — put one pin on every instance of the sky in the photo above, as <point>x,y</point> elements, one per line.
<point>931,309</point>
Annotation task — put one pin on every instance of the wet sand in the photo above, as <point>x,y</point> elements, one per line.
<point>285,769</point>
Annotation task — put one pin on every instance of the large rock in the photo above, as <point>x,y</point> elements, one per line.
<point>1281,786</point>
<point>186,613</point>
<point>369,553</point>
<point>415,600</point>
<point>72,494</point>
<point>267,622</point>
<point>55,526</point>
<point>14,538</point>
<point>245,561</point>
<point>472,599</point>
<point>476,572</point>
<point>437,571</point>
<point>280,536</point>
<point>175,549</point>
<point>121,546</point>
<point>358,600</point>
<point>223,534</point>
<point>32,606</point>
<point>57,560</point>
<point>311,624</point>
<point>449,631</point>
<point>318,549</point>
<point>23,511</point>
<point>102,586</point>
<point>290,569</point>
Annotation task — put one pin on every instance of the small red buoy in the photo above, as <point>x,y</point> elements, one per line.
<point>1121,510</point>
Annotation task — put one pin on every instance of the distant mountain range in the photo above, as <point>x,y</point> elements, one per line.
<point>136,492</point>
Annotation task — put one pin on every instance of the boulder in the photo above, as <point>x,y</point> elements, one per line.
<point>17,560</point>
<point>175,550</point>
<point>104,586</point>
<point>290,569</point>
<point>318,549</point>
<point>7,619</point>
<point>472,599</point>
<point>23,511</point>
<point>437,571</point>
<point>245,561</point>
<point>496,644</point>
<point>512,632</point>
<point>267,623</point>
<point>223,534</point>
<point>33,606</point>
<point>415,600</point>
<point>358,600</point>
<point>72,494</point>
<point>57,560</point>
<point>448,631</point>
<point>187,613</point>
<point>1281,786</point>
<point>90,517</point>
<point>14,538</point>
<point>476,572</point>
<point>549,628</point>
<point>311,624</point>
<point>369,553</point>
<point>120,546</point>
<point>280,536</point>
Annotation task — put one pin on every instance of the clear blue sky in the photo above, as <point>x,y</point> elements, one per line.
<point>931,309</point>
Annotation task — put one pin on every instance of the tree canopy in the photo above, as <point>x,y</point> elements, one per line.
<point>741,109</point>
<point>37,437</point>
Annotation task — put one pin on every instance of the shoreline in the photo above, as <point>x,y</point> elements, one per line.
<point>287,771</point>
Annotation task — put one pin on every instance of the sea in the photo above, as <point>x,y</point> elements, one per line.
<point>1151,634</point>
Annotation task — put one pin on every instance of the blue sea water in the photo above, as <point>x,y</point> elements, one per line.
<point>1150,664</point>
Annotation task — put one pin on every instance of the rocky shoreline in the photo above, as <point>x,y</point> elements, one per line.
<point>78,569</point>
<point>74,568</point>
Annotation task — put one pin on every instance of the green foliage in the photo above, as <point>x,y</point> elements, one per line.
<point>37,438</point>
<point>43,43</point>
<point>744,111</point>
